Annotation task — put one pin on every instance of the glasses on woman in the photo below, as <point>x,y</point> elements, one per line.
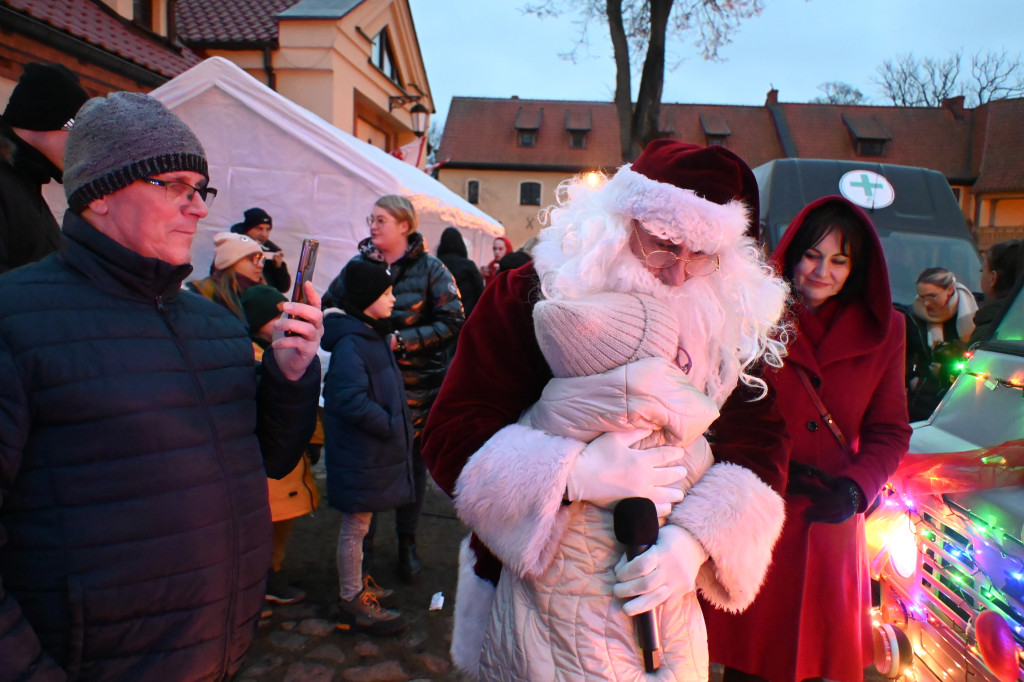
<point>379,220</point>
<point>257,258</point>
<point>698,266</point>
<point>176,190</point>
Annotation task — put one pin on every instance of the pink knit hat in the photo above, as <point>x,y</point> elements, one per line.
<point>591,335</point>
<point>231,248</point>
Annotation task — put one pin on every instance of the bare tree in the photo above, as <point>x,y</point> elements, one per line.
<point>995,76</point>
<point>837,92</point>
<point>910,82</point>
<point>642,28</point>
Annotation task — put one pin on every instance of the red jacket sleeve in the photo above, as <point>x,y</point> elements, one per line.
<point>498,371</point>
<point>752,433</point>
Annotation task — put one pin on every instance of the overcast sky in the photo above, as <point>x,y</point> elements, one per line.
<point>489,48</point>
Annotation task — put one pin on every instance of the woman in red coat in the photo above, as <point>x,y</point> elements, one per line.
<point>811,618</point>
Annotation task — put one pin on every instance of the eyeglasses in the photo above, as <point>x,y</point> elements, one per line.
<point>932,298</point>
<point>379,221</point>
<point>178,190</point>
<point>258,258</point>
<point>694,267</point>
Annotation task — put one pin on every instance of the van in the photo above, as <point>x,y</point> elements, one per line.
<point>914,210</point>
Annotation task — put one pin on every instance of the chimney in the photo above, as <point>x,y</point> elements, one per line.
<point>955,105</point>
<point>773,98</point>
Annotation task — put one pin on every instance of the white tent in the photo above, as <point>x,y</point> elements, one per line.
<point>313,179</point>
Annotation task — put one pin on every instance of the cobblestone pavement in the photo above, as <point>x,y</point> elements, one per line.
<point>299,643</point>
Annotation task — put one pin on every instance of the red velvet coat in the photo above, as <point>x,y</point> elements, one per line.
<point>498,371</point>
<point>811,618</point>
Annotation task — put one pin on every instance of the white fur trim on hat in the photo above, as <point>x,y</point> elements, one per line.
<point>231,248</point>
<point>679,215</point>
<point>591,335</point>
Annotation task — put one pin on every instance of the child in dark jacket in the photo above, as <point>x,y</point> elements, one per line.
<point>368,436</point>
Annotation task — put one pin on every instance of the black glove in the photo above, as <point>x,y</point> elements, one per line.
<point>833,500</point>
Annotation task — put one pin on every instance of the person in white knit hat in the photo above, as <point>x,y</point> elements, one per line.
<point>590,337</point>
<point>237,265</point>
<point>514,443</point>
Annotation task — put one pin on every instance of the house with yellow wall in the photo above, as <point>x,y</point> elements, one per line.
<point>508,155</point>
<point>355,63</point>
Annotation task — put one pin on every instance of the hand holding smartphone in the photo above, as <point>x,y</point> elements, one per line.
<point>304,272</point>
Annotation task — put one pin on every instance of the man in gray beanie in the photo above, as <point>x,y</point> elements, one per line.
<point>33,130</point>
<point>135,433</point>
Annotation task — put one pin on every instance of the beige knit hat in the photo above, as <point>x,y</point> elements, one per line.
<point>231,248</point>
<point>594,334</point>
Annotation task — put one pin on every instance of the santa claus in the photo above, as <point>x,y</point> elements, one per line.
<point>515,445</point>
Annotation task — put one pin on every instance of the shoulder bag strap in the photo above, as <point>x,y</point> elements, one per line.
<point>825,415</point>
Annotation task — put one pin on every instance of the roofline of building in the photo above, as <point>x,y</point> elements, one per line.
<point>73,46</point>
<point>535,167</point>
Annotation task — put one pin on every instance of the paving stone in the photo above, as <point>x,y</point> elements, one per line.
<point>308,672</point>
<point>388,671</point>
<point>433,664</point>
<point>327,652</point>
<point>297,611</point>
<point>289,641</point>
<point>287,625</point>
<point>415,638</point>
<point>367,650</point>
<point>263,665</point>
<point>317,627</point>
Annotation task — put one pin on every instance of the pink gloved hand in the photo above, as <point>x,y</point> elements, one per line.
<point>667,569</point>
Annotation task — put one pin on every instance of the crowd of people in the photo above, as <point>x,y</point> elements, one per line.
<point>155,427</point>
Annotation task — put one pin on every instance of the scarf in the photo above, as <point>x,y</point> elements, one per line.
<point>960,305</point>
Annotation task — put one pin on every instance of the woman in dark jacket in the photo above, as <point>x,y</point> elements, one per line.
<point>452,252</point>
<point>1001,268</point>
<point>811,618</point>
<point>426,319</point>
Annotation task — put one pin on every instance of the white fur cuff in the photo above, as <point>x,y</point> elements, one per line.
<point>474,598</point>
<point>737,518</point>
<point>510,494</point>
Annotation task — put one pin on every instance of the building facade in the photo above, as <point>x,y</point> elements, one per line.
<point>355,63</point>
<point>509,155</point>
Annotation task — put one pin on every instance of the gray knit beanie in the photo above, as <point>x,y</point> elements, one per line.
<point>121,138</point>
<point>591,335</point>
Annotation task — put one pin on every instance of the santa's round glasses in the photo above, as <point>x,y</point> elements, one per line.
<point>698,266</point>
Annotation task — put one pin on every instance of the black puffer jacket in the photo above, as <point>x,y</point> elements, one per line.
<point>135,525</point>
<point>28,230</point>
<point>452,252</point>
<point>427,314</point>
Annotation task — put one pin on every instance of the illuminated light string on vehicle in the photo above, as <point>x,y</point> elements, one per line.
<point>958,565</point>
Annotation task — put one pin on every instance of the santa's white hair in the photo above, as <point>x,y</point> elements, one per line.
<point>728,320</point>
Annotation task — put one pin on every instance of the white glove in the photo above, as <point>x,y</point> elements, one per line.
<point>608,470</point>
<point>668,568</point>
<point>651,393</point>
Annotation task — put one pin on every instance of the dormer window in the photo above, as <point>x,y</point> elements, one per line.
<point>868,134</point>
<point>528,126</point>
<point>382,56</point>
<point>577,124</point>
<point>716,130</point>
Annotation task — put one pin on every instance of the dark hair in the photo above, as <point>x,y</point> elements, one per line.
<point>1004,259</point>
<point>816,226</point>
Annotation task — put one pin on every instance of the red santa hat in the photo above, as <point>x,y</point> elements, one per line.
<point>705,197</point>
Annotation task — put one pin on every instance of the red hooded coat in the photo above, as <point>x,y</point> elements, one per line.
<point>811,618</point>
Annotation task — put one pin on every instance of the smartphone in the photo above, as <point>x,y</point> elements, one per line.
<point>304,272</point>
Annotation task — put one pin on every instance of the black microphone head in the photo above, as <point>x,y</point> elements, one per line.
<point>636,521</point>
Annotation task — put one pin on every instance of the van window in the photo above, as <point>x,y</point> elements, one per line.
<point>907,254</point>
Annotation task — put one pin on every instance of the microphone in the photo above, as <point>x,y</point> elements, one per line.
<point>636,527</point>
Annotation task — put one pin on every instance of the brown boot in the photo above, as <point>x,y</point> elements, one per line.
<point>364,614</point>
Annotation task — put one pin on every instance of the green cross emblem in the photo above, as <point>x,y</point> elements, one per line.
<point>866,185</point>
